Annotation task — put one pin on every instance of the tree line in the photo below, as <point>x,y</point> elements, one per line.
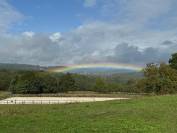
<point>35,82</point>
<point>158,79</point>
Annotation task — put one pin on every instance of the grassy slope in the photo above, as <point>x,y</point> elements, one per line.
<point>4,94</point>
<point>147,115</point>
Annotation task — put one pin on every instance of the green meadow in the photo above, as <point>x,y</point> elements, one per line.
<point>153,114</point>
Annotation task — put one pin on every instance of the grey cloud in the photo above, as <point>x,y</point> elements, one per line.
<point>125,53</point>
<point>167,42</point>
<point>87,44</point>
<point>95,41</point>
<point>36,50</point>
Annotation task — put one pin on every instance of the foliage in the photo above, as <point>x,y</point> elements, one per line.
<point>84,82</point>
<point>5,78</point>
<point>159,79</point>
<point>100,85</point>
<point>31,82</point>
<point>173,61</point>
<point>50,83</point>
<point>28,82</point>
<point>67,83</point>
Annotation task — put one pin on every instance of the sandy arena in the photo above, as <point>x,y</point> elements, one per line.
<point>54,100</point>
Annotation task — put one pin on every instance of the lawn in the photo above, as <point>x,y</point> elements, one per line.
<point>155,114</point>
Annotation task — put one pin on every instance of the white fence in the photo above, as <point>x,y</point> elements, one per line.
<point>40,101</point>
<point>53,100</point>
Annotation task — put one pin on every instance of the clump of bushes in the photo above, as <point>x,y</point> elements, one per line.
<point>159,78</point>
<point>35,82</point>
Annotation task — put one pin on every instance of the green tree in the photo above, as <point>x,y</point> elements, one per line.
<point>100,85</point>
<point>67,83</point>
<point>167,79</point>
<point>27,82</point>
<point>151,74</point>
<point>159,79</point>
<point>50,84</point>
<point>131,86</point>
<point>173,61</point>
<point>5,79</point>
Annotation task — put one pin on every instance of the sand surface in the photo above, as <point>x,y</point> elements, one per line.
<point>54,100</point>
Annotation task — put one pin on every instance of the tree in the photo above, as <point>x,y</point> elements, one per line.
<point>50,84</point>
<point>27,82</point>
<point>159,79</point>
<point>168,79</point>
<point>151,70</point>
<point>151,74</point>
<point>173,61</point>
<point>5,79</point>
<point>131,86</point>
<point>67,83</point>
<point>100,85</point>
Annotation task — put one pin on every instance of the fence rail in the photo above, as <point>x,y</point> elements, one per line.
<point>63,100</point>
<point>42,101</point>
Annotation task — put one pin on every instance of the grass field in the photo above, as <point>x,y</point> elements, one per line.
<point>157,114</point>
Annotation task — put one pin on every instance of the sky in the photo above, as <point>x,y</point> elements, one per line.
<point>66,32</point>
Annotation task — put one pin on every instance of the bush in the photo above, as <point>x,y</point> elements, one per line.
<point>159,79</point>
<point>26,83</point>
<point>67,83</point>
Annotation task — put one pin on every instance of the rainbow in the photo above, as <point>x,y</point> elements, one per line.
<point>100,65</point>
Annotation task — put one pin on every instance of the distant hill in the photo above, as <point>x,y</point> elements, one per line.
<point>124,77</point>
<point>21,67</point>
<point>109,74</point>
<point>121,74</point>
<point>101,71</point>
